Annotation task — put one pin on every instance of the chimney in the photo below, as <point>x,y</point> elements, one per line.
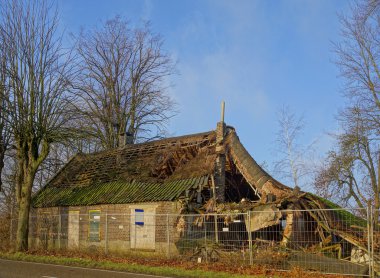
<point>220,164</point>
<point>129,138</point>
<point>125,139</point>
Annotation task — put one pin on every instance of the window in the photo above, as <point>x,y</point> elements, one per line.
<point>139,217</point>
<point>94,225</point>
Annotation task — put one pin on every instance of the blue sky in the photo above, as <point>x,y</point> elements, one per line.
<point>255,55</point>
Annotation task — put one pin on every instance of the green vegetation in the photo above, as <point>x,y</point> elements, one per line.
<point>116,192</point>
<point>343,215</point>
<point>129,267</point>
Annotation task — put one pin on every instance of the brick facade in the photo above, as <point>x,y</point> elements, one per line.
<point>49,227</point>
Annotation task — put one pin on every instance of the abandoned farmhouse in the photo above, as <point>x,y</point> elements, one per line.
<point>138,197</point>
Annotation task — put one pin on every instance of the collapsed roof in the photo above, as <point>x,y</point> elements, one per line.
<point>165,169</point>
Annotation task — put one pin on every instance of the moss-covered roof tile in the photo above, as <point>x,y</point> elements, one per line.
<point>116,192</point>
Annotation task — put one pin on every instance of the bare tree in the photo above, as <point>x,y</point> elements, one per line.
<point>122,82</point>
<point>59,154</point>
<point>352,170</point>
<point>7,196</point>
<point>39,74</point>
<point>4,96</point>
<point>292,155</point>
<point>358,60</point>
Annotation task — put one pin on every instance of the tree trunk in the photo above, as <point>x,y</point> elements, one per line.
<point>2,157</point>
<point>23,212</point>
<point>28,163</point>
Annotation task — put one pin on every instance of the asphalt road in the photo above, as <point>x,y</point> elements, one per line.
<point>18,269</point>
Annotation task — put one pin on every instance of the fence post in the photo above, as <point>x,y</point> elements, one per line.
<point>369,221</point>
<point>11,227</point>
<point>372,256</point>
<point>59,230</point>
<point>249,238</point>
<point>106,235</point>
<point>216,228</point>
<point>168,235</point>
<point>134,225</point>
<point>204,222</point>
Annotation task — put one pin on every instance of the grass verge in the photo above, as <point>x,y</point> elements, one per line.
<point>117,266</point>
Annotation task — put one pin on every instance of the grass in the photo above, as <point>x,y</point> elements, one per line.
<point>159,266</point>
<point>120,266</point>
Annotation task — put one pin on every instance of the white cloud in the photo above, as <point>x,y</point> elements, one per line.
<point>220,65</point>
<point>147,10</point>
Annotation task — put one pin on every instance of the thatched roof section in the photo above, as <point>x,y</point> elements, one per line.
<point>166,163</point>
<point>158,162</point>
<point>147,162</point>
<point>256,176</point>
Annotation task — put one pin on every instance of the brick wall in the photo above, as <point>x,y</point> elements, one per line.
<point>117,229</point>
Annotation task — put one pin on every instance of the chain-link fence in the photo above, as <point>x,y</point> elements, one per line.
<point>336,241</point>
<point>374,242</point>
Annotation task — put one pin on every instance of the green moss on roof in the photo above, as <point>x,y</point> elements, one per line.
<point>117,192</point>
<point>341,214</point>
<point>172,158</point>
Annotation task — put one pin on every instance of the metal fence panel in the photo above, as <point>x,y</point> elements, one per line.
<point>374,232</point>
<point>337,241</point>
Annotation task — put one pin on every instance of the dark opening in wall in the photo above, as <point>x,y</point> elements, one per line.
<point>237,189</point>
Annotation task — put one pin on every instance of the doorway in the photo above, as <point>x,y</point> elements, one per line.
<point>73,230</point>
<point>143,228</point>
